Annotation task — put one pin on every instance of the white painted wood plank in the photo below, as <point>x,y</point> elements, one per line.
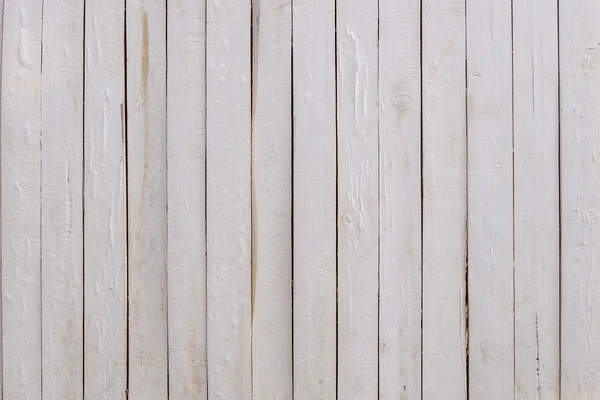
<point>186,199</point>
<point>62,192</point>
<point>105,236</point>
<point>21,200</point>
<point>314,200</point>
<point>490,200</point>
<point>358,228</point>
<point>146,188</point>
<point>535,69</point>
<point>271,200</point>
<point>444,201</point>
<point>400,201</point>
<point>229,199</point>
<point>580,201</point>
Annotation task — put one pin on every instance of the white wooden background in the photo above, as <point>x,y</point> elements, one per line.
<point>315,199</point>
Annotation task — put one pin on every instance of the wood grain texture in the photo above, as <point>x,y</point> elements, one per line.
<point>62,191</point>
<point>358,202</point>
<point>21,200</point>
<point>186,146</point>
<point>271,200</point>
<point>536,191</point>
<point>147,199</point>
<point>490,200</point>
<point>400,200</point>
<point>105,236</point>
<point>444,201</point>
<point>580,184</point>
<point>314,200</point>
<point>229,199</point>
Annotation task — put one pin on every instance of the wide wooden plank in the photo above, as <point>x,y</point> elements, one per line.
<point>490,200</point>
<point>104,225</point>
<point>62,191</point>
<point>358,228</point>
<point>186,145</point>
<point>444,201</point>
<point>536,191</point>
<point>21,200</point>
<point>580,201</point>
<point>271,200</point>
<point>229,199</point>
<point>147,199</point>
<point>400,199</point>
<point>314,200</point>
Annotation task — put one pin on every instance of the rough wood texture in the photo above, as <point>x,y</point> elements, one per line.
<point>62,191</point>
<point>400,199</point>
<point>228,199</point>
<point>536,218</point>
<point>271,200</point>
<point>444,201</point>
<point>186,146</point>
<point>490,200</point>
<point>309,199</point>
<point>580,187</point>
<point>358,228</point>
<point>21,200</point>
<point>314,200</point>
<point>105,237</point>
<point>147,199</point>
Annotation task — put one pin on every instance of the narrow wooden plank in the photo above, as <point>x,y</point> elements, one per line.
<point>490,200</point>
<point>358,202</point>
<point>147,199</point>
<point>271,200</point>
<point>186,142</point>
<point>229,199</point>
<point>21,200</point>
<point>400,201</point>
<point>444,201</point>
<point>105,252</point>
<point>535,71</point>
<point>580,185</point>
<point>62,192</point>
<point>314,200</point>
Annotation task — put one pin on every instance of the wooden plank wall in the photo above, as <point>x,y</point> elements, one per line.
<point>275,200</point>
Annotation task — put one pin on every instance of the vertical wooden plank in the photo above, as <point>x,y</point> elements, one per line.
<point>21,200</point>
<point>186,145</point>
<point>271,200</point>
<point>147,197</point>
<point>229,199</point>
<point>400,199</point>
<point>314,200</point>
<point>490,199</point>
<point>105,255</point>
<point>535,69</point>
<point>62,191</point>
<point>444,201</point>
<point>580,185</point>
<point>358,202</point>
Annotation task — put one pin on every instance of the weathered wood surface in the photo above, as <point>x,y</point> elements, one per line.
<point>399,122</point>
<point>274,200</point>
<point>228,196</point>
<point>314,202</point>
<point>444,201</point>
